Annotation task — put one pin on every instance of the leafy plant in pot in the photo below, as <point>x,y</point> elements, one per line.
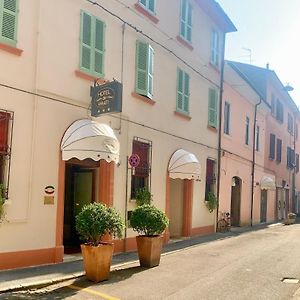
<point>150,223</point>
<point>211,201</point>
<point>143,196</point>
<point>93,222</point>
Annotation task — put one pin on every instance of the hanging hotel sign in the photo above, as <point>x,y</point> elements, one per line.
<point>106,98</point>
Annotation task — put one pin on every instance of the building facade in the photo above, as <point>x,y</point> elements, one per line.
<point>56,157</point>
<point>247,189</point>
<point>274,146</point>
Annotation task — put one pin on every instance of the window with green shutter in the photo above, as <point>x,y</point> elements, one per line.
<point>144,69</point>
<point>8,21</point>
<point>92,45</point>
<point>148,4</point>
<point>213,108</point>
<point>186,20</point>
<point>183,91</point>
<point>214,51</point>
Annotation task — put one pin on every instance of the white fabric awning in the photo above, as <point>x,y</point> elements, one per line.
<point>89,139</point>
<point>184,165</point>
<point>267,183</point>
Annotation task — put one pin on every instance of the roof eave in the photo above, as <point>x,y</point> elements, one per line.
<point>217,14</point>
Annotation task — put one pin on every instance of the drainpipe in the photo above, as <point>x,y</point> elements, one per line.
<point>253,160</point>
<point>220,125</point>
<point>294,168</point>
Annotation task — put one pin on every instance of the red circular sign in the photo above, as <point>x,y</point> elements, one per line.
<point>134,160</point>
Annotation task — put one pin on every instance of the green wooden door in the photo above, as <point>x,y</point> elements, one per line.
<point>83,189</point>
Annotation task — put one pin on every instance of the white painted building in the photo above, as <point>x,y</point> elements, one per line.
<point>168,56</point>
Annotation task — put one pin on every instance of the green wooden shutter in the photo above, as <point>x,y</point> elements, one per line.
<point>99,47</point>
<point>183,18</point>
<point>8,21</point>
<point>151,5</point>
<point>86,42</point>
<point>141,84</point>
<point>212,108</point>
<point>214,48</point>
<point>186,20</point>
<point>180,79</point>
<point>189,23</point>
<point>150,71</point>
<point>186,92</point>
<point>92,46</point>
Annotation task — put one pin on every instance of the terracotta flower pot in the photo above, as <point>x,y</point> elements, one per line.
<point>97,261</point>
<point>149,250</point>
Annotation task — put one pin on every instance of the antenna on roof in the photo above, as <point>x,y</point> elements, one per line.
<point>288,88</point>
<point>249,55</point>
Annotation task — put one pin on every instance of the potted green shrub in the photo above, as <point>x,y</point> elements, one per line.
<point>143,196</point>
<point>93,222</point>
<point>150,223</point>
<point>211,201</point>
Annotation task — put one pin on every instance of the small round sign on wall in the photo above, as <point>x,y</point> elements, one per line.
<point>49,190</point>
<point>134,160</point>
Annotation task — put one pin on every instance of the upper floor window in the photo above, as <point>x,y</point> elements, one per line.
<point>144,69</point>
<point>272,146</point>
<point>273,105</point>
<point>278,150</point>
<point>290,124</point>
<point>227,118</point>
<point>213,108</point>
<point>247,131</point>
<point>186,20</point>
<point>8,21</point>
<point>257,141</point>
<point>148,4</point>
<point>92,45</point>
<point>183,91</point>
<point>279,111</point>
<point>214,51</point>
<point>290,161</point>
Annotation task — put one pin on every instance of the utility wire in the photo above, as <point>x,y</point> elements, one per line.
<point>154,41</point>
<point>110,115</point>
<point>125,120</point>
<point>42,96</point>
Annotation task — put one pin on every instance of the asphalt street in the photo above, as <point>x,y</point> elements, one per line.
<point>260,264</point>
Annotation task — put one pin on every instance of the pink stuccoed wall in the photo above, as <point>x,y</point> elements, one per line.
<point>236,158</point>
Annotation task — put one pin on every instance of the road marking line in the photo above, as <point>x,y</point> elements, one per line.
<point>90,291</point>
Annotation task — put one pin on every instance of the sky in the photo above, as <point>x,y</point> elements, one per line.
<point>271,30</point>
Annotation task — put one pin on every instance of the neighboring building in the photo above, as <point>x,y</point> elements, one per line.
<point>281,155</point>
<point>239,145</point>
<point>56,157</point>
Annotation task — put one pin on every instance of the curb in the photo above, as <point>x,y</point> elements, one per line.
<point>46,282</point>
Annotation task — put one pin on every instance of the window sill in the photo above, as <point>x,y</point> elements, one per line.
<point>213,129</point>
<point>146,13</point>
<point>227,136</point>
<point>11,49</point>
<point>216,68</point>
<point>182,115</point>
<point>184,43</point>
<point>143,98</point>
<point>88,77</point>
<point>249,147</point>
